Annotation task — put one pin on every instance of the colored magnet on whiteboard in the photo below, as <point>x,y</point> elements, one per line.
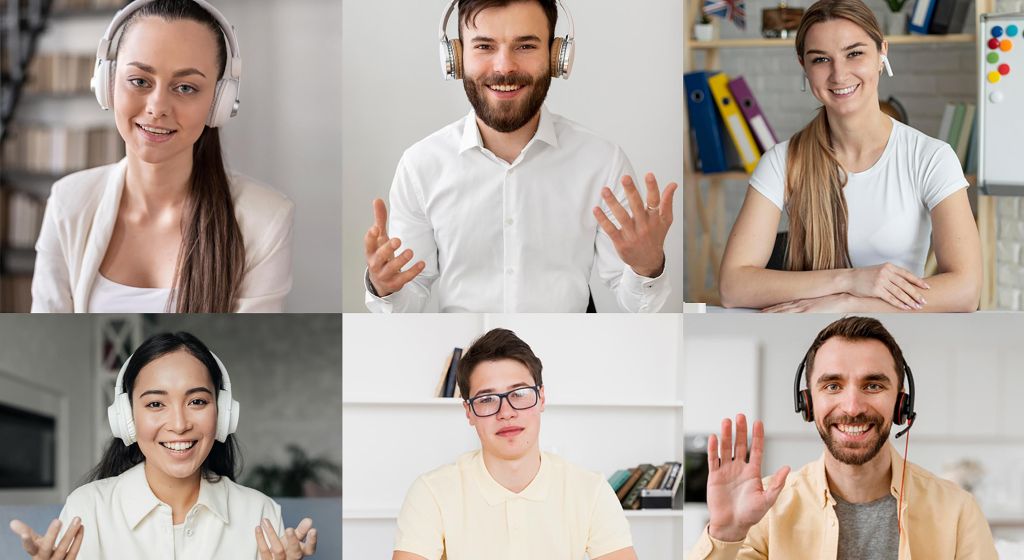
<point>1004,69</point>
<point>1011,30</point>
<point>993,43</point>
<point>992,58</point>
<point>997,31</point>
<point>996,97</point>
<point>993,77</point>
<point>1006,45</point>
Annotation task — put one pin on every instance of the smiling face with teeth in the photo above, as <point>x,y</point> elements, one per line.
<point>842,63</point>
<point>854,387</point>
<point>164,86</point>
<point>506,64</point>
<point>175,411</point>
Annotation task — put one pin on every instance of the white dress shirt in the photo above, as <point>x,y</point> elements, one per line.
<point>511,237</point>
<point>123,519</point>
<point>80,217</point>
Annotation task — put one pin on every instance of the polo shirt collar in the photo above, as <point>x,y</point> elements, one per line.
<point>212,496</point>
<point>471,137</point>
<point>495,494</point>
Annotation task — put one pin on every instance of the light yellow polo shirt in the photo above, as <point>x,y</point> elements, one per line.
<point>941,521</point>
<point>461,511</point>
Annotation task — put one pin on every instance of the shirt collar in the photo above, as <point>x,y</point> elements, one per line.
<point>820,481</point>
<point>471,137</point>
<point>494,493</point>
<point>212,496</point>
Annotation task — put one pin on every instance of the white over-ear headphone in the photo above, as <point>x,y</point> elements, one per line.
<point>563,49</point>
<point>225,98</point>
<point>122,424</point>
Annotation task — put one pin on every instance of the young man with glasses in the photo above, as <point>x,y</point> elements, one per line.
<point>508,500</point>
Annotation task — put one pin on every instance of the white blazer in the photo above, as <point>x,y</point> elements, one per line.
<point>80,217</point>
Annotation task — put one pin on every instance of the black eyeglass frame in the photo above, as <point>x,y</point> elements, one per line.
<point>504,397</point>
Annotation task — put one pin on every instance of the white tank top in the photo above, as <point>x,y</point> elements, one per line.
<point>110,297</point>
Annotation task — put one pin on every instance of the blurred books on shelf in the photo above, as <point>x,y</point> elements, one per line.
<point>66,73</point>
<point>646,486</point>
<point>42,149</point>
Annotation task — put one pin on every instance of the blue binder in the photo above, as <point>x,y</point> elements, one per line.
<point>700,106</point>
<point>921,16</point>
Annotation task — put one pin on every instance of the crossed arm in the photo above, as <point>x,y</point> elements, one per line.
<point>745,282</point>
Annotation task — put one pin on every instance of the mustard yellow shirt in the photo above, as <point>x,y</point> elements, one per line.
<point>941,521</point>
<point>461,511</point>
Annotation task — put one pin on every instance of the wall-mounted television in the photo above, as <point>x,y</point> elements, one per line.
<point>31,440</point>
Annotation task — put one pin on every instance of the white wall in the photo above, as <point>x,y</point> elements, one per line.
<point>287,132</point>
<point>607,378</point>
<point>626,86</point>
<point>969,387</point>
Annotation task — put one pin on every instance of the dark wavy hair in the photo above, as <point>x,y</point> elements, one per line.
<point>211,261</point>
<point>224,458</point>
<point>497,344</point>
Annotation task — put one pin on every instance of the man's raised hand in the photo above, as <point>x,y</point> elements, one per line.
<point>384,267</point>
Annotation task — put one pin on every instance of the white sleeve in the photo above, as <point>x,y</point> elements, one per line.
<point>633,292</point>
<point>941,176</point>
<point>269,279</point>
<point>407,221</point>
<point>51,280</point>
<point>769,177</point>
<point>82,504</point>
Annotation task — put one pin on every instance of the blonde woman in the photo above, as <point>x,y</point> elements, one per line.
<point>865,194</point>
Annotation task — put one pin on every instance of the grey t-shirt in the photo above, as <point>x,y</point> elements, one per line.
<point>868,531</point>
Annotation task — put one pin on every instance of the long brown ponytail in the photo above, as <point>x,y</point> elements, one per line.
<point>211,259</point>
<point>814,178</point>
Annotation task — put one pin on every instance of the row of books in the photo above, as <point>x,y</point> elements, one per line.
<point>646,486</point>
<point>60,73</point>
<point>958,128</point>
<point>939,17</point>
<point>70,5</point>
<point>43,149</point>
<point>448,384</point>
<point>727,127</point>
<point>16,293</point>
<point>23,217</point>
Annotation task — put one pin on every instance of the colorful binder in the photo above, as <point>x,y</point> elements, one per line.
<point>704,125</point>
<point>921,16</point>
<point>763,132</point>
<point>734,123</point>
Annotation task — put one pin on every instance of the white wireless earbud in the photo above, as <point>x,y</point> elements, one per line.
<point>888,67</point>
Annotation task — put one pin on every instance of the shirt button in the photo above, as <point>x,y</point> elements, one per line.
<point>509,221</point>
<point>188,532</point>
<point>509,271</point>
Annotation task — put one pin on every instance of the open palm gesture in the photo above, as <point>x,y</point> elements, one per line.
<point>737,498</point>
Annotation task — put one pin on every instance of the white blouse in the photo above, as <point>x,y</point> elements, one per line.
<point>110,297</point>
<point>80,217</point>
<point>124,519</point>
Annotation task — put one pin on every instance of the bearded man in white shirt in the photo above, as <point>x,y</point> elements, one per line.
<point>512,207</point>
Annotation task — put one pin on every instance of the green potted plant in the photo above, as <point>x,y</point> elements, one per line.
<point>302,477</point>
<point>896,20</point>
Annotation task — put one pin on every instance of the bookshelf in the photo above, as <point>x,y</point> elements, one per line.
<point>601,392</point>
<point>51,126</point>
<point>706,227</point>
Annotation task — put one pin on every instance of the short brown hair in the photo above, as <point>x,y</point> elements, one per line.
<point>857,328</point>
<point>497,344</point>
<point>469,9</point>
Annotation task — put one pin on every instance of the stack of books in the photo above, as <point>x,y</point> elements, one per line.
<point>23,216</point>
<point>60,73</point>
<point>646,486</point>
<point>958,129</point>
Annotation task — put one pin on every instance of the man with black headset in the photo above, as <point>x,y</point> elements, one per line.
<point>512,207</point>
<point>860,500</point>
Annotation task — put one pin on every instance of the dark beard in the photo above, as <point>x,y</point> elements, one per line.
<point>507,116</point>
<point>857,456</point>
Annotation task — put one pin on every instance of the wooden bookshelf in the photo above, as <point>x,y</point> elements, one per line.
<point>705,224</point>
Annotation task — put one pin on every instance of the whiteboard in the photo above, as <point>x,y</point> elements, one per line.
<point>1001,103</point>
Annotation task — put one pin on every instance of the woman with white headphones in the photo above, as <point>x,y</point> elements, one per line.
<point>865,194</point>
<point>168,228</point>
<point>165,485</point>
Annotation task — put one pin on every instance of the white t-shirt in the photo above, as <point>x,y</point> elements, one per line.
<point>123,519</point>
<point>889,204</point>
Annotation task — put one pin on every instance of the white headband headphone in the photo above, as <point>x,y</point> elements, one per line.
<point>563,49</point>
<point>225,99</point>
<point>122,424</point>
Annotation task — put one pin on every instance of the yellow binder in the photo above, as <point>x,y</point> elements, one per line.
<point>734,121</point>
